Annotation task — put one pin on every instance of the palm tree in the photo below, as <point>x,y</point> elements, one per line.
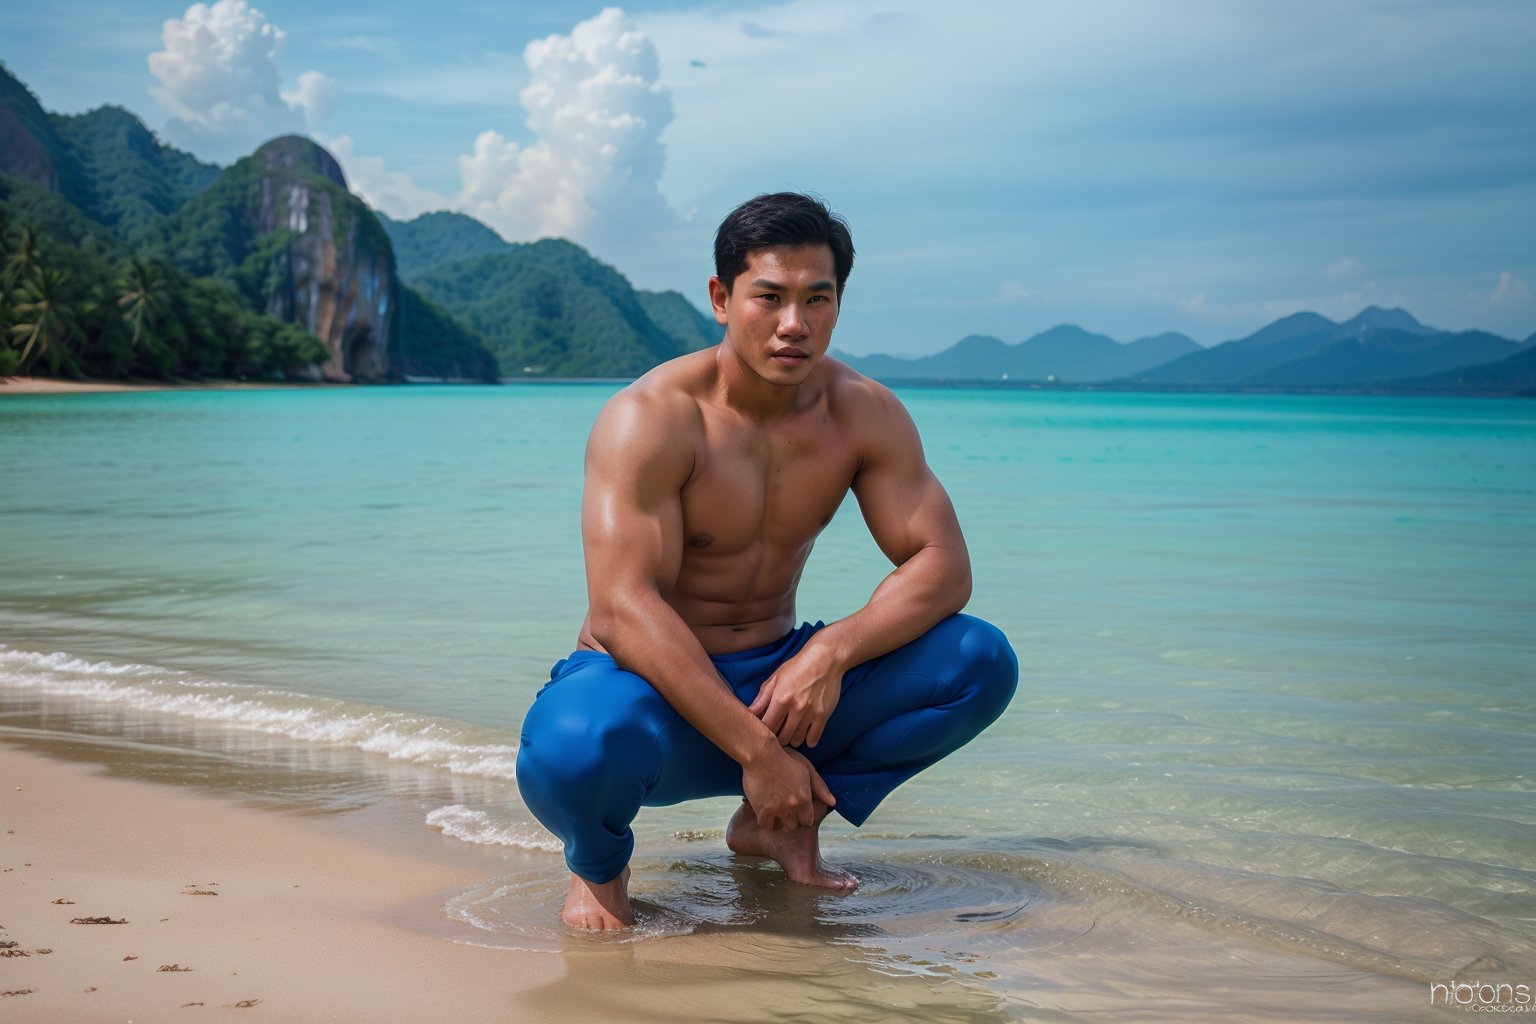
<point>6,234</point>
<point>6,224</point>
<point>24,261</point>
<point>143,296</point>
<point>43,318</point>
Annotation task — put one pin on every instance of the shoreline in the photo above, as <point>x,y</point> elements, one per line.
<point>224,905</point>
<point>60,386</point>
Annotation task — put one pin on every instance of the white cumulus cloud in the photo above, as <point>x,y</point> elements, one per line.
<point>596,109</point>
<point>393,192</point>
<point>314,97</point>
<point>218,75</point>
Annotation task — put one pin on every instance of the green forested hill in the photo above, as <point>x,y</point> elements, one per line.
<point>549,309</point>
<point>54,221</point>
<point>429,246</point>
<point>435,345</point>
<point>30,147</point>
<point>76,296</point>
<point>435,239</point>
<point>77,301</point>
<point>673,313</point>
<point>123,257</point>
<point>128,178</point>
<point>103,196</point>
<point>105,162</point>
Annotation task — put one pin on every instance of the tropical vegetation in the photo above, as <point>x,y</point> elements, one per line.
<point>77,301</point>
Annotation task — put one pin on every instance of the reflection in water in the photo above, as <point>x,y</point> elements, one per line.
<point>946,935</point>
<point>720,893</point>
<point>723,938</point>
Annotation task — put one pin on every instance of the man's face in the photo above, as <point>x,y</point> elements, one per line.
<point>780,311</point>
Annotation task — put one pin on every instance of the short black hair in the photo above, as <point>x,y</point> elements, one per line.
<point>780,218</point>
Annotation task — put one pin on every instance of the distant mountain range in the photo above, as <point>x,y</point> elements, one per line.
<point>1376,350</point>
<point>1066,354</point>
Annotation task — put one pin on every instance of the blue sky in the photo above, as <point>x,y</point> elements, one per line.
<point>1006,165</point>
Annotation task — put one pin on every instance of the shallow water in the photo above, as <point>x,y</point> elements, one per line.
<point>1271,757</point>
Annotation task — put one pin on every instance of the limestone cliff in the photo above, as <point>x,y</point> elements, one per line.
<point>282,225</point>
<point>336,275</point>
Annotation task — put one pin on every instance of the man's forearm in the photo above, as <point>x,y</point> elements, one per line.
<point>927,588</point>
<point>644,635</point>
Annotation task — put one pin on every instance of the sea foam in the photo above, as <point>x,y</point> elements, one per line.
<point>397,735</point>
<point>472,826</point>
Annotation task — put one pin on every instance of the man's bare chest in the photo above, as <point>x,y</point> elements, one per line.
<point>749,489</point>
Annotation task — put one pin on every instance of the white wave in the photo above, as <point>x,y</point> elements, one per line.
<point>65,663</point>
<point>398,735</point>
<point>472,826</point>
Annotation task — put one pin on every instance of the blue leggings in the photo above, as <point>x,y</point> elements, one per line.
<point>599,742</point>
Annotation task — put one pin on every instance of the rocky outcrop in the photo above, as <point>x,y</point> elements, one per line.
<point>282,226</point>
<point>298,155</point>
<point>29,147</point>
<point>22,156</point>
<point>334,272</point>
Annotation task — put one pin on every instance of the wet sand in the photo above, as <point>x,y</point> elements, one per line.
<point>214,906</point>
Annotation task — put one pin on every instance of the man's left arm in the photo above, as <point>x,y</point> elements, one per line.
<point>913,521</point>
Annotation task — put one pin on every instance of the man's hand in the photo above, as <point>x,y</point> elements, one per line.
<point>782,789</point>
<point>796,701</point>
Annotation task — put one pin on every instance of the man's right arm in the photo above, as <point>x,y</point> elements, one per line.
<point>639,456</point>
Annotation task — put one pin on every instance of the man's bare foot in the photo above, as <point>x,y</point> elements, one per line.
<point>599,908</point>
<point>797,850</point>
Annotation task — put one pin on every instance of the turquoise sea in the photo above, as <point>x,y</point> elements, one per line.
<point>1273,753</point>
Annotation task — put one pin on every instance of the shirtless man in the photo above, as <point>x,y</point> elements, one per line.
<point>707,482</point>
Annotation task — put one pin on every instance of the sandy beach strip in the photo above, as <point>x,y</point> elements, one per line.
<point>217,908</point>
<point>57,386</point>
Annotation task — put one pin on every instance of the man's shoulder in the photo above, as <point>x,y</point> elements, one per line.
<point>676,380</point>
<point>852,393</point>
<point>875,420</point>
<point>662,402</point>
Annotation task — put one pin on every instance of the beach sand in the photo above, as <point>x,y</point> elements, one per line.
<point>222,907</point>
<point>311,922</point>
<point>56,386</point>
